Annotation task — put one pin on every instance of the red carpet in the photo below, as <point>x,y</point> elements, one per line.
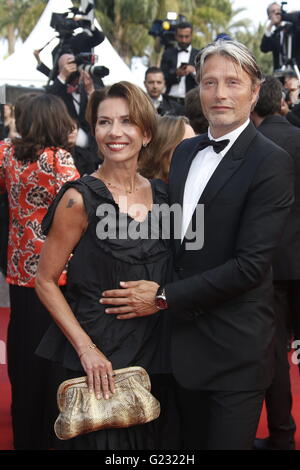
<point>5,424</point>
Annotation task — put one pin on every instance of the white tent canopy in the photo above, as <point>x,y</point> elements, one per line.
<point>20,67</point>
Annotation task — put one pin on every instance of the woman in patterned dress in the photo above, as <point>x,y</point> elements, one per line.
<point>33,168</point>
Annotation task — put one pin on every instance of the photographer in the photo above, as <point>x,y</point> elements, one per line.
<point>83,42</point>
<point>275,37</point>
<point>74,87</point>
<point>178,64</point>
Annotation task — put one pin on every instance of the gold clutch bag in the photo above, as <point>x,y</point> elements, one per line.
<point>81,412</point>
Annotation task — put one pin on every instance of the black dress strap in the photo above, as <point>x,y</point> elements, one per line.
<point>85,186</point>
<point>159,190</point>
<point>96,186</point>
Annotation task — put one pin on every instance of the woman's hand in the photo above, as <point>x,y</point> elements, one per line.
<point>99,372</point>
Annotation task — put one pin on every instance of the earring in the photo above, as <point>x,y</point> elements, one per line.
<point>145,144</point>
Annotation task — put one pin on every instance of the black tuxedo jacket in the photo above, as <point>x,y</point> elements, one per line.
<point>273,44</point>
<point>170,107</point>
<point>60,89</point>
<point>286,261</point>
<point>221,301</point>
<point>169,66</point>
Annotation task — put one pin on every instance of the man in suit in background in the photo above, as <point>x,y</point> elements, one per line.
<point>178,64</point>
<point>220,301</point>
<point>155,85</point>
<point>275,37</point>
<point>76,44</point>
<point>286,268</point>
<point>74,88</point>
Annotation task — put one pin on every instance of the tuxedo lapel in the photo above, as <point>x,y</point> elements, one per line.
<point>194,52</point>
<point>183,166</point>
<point>224,171</point>
<point>221,175</point>
<point>228,166</point>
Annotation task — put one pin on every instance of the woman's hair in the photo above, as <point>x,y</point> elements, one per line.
<point>234,51</point>
<point>20,105</point>
<point>43,122</point>
<point>141,110</point>
<point>169,134</point>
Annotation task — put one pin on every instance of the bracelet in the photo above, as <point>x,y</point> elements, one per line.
<point>90,346</point>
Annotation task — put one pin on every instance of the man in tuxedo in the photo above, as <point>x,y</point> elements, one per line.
<point>178,64</point>
<point>286,268</point>
<point>74,88</point>
<point>155,85</point>
<point>275,37</point>
<point>83,42</point>
<point>220,300</point>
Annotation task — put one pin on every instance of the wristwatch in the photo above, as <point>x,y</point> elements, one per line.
<point>160,299</point>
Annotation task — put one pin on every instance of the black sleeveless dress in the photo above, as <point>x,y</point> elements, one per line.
<point>104,256</point>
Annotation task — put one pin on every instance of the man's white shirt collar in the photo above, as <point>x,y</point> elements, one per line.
<point>231,136</point>
<point>201,170</point>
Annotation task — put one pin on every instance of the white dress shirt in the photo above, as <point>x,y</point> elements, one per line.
<point>157,101</point>
<point>202,168</point>
<point>82,139</point>
<point>178,90</point>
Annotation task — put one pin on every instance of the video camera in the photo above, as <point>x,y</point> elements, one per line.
<point>66,26</point>
<point>70,43</point>
<point>165,30</point>
<point>293,18</point>
<point>290,40</point>
<point>86,61</point>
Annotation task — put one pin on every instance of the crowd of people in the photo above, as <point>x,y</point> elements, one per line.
<point>208,306</point>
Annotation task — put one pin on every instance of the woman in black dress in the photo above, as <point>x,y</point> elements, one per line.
<point>105,220</point>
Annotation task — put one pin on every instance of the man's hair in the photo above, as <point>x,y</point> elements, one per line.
<point>184,25</point>
<point>193,110</point>
<point>288,75</point>
<point>234,51</point>
<point>141,110</point>
<point>153,70</point>
<point>273,3</point>
<point>270,96</point>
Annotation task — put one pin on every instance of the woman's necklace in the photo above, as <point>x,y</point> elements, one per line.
<point>112,185</point>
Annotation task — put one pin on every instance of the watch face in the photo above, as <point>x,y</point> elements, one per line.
<point>161,303</point>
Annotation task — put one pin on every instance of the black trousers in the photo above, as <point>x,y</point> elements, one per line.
<point>278,396</point>
<point>219,420</point>
<point>287,298</point>
<point>33,380</point>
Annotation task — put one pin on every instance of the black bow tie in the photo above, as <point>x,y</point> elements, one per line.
<point>218,145</point>
<point>183,50</point>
